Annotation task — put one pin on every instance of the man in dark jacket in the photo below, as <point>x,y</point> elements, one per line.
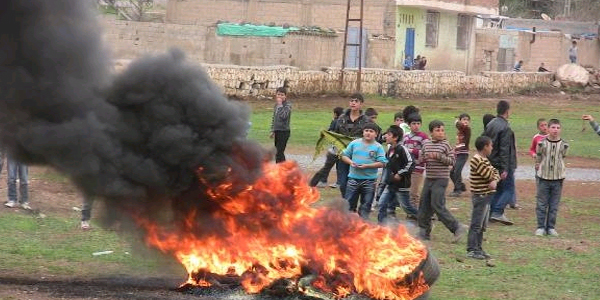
<point>503,158</point>
<point>350,124</point>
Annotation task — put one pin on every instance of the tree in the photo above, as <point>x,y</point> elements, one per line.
<point>574,10</point>
<point>129,9</point>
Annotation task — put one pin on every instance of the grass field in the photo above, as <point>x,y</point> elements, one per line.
<point>49,244</point>
<point>311,115</point>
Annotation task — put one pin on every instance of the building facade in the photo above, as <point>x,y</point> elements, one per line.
<point>442,31</point>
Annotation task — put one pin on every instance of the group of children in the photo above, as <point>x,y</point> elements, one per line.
<point>410,155</point>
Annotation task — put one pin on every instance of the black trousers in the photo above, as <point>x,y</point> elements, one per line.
<point>323,173</point>
<point>281,139</point>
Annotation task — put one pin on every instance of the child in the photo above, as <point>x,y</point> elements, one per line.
<point>414,142</point>
<point>573,52</point>
<point>399,121</point>
<point>550,170</point>
<point>397,177</point>
<point>320,178</point>
<point>484,178</point>
<point>487,118</point>
<point>542,126</point>
<point>438,156</point>
<point>372,115</point>
<point>280,123</point>
<point>461,150</point>
<point>365,156</point>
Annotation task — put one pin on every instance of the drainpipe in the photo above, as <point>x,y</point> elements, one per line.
<point>533,38</point>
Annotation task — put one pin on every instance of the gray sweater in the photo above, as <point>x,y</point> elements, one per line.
<point>281,117</point>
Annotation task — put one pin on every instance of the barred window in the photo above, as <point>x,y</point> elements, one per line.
<point>463,32</point>
<point>432,28</point>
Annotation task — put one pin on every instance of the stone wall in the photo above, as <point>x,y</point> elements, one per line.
<point>378,15</point>
<point>551,48</point>
<point>243,81</point>
<point>129,40</point>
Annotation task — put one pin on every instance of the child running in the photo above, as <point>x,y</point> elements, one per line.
<point>397,177</point>
<point>438,156</point>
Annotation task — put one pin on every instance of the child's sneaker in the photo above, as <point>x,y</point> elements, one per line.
<point>454,194</point>
<point>552,232</point>
<point>334,185</point>
<point>487,256</point>
<point>26,206</point>
<point>540,232</point>
<point>459,233</point>
<point>85,225</point>
<point>11,204</point>
<point>475,255</point>
<point>321,184</point>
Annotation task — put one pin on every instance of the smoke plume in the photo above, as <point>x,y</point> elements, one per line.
<point>135,139</point>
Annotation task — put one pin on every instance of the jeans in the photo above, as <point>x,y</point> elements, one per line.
<point>321,175</point>
<point>456,172</point>
<point>505,192</point>
<point>548,198</point>
<point>17,169</point>
<point>389,200</point>
<point>342,176</point>
<point>86,209</point>
<point>573,59</point>
<point>363,188</point>
<point>2,157</point>
<point>479,220</point>
<point>381,185</point>
<point>433,200</point>
<point>281,139</point>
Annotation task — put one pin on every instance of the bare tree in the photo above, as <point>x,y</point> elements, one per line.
<point>129,9</point>
<point>139,7</point>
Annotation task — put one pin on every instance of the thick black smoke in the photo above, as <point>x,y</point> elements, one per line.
<point>135,139</point>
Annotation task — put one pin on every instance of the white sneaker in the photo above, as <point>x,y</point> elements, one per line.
<point>85,225</point>
<point>540,232</point>
<point>321,184</point>
<point>334,185</point>
<point>552,232</point>
<point>11,204</point>
<point>25,206</point>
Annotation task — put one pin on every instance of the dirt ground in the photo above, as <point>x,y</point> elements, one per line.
<point>52,195</point>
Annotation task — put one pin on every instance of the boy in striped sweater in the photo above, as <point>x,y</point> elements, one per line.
<point>484,178</point>
<point>438,156</point>
<point>550,169</point>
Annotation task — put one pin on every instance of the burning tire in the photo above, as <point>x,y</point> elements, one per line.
<point>431,272</point>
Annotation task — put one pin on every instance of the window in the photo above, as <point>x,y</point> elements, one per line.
<point>432,26</point>
<point>463,31</point>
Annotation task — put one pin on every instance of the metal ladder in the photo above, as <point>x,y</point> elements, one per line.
<point>359,44</point>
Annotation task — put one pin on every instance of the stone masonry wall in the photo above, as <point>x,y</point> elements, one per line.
<point>129,40</point>
<point>243,81</point>
<point>378,15</point>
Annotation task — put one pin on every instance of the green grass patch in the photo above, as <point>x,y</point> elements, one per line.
<point>309,118</point>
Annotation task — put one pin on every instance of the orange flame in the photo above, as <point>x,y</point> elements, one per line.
<point>270,231</point>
